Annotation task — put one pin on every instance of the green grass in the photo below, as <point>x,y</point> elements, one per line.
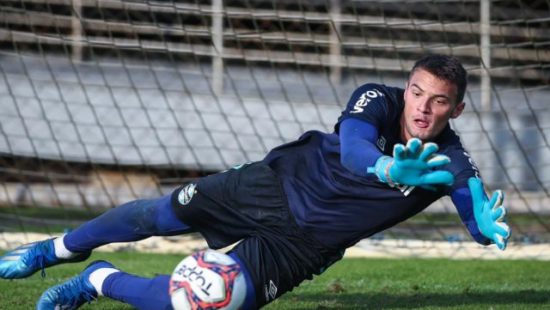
<point>349,284</point>
<point>42,219</point>
<point>50,213</point>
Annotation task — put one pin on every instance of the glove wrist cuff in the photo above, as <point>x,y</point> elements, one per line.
<point>387,174</point>
<point>381,168</point>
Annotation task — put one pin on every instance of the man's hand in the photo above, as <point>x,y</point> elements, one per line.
<point>489,214</point>
<point>412,165</point>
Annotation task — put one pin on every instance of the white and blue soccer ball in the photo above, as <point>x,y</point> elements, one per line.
<point>207,280</point>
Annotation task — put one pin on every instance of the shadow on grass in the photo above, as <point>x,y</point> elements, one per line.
<point>522,298</point>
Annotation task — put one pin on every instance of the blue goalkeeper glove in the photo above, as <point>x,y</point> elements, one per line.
<point>489,214</point>
<point>413,165</point>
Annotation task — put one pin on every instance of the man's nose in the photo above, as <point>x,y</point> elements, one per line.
<point>424,106</point>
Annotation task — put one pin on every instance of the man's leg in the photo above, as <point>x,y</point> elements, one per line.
<point>132,221</point>
<point>101,278</point>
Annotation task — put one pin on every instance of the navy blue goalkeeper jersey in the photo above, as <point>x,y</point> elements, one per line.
<point>339,207</point>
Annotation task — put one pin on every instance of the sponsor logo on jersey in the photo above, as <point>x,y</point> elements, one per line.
<point>406,190</point>
<point>186,193</point>
<point>365,98</point>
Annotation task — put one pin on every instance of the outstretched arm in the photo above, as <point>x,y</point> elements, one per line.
<point>357,145</point>
<point>412,164</point>
<point>484,217</point>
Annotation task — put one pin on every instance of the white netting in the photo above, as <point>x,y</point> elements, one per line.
<point>106,101</point>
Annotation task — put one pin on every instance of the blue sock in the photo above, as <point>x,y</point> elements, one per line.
<point>141,293</point>
<point>145,293</point>
<point>250,299</point>
<point>132,221</point>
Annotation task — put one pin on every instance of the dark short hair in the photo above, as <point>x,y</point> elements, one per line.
<point>447,68</point>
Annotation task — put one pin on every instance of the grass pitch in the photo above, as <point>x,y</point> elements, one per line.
<point>357,283</point>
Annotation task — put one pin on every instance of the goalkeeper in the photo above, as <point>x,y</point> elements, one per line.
<point>294,213</point>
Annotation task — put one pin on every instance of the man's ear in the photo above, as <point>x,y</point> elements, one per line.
<point>458,110</point>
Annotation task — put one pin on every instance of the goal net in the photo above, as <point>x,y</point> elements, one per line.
<point>102,102</point>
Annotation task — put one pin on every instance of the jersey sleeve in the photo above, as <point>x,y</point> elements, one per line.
<point>357,148</point>
<point>462,167</point>
<point>368,102</point>
<point>368,109</point>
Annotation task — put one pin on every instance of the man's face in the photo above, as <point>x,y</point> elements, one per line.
<point>429,104</point>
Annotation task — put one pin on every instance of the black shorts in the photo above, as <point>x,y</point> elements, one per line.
<point>248,205</point>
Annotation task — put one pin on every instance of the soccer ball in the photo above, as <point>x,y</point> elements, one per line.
<point>207,280</point>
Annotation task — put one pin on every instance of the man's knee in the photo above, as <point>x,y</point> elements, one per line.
<point>140,214</point>
<point>156,217</point>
